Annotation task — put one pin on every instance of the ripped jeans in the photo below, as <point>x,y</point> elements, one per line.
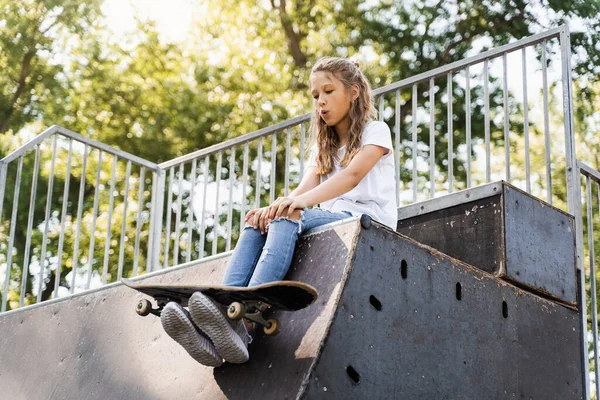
<point>266,258</point>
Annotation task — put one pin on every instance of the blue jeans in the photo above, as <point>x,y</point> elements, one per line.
<point>266,258</point>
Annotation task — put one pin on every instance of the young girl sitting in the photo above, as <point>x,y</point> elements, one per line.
<point>350,172</point>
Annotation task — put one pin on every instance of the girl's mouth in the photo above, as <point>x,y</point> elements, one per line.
<point>324,113</point>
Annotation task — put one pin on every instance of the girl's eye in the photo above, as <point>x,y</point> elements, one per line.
<point>328,91</point>
<point>316,97</point>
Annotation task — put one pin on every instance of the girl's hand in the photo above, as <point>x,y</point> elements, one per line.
<point>285,206</point>
<point>258,218</point>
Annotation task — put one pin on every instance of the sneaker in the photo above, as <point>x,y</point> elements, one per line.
<point>240,328</point>
<point>177,323</point>
<point>210,319</point>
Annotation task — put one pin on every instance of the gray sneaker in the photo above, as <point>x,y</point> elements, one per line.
<point>177,323</point>
<point>209,317</point>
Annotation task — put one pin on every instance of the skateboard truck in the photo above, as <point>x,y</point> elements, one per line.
<point>253,311</point>
<point>144,306</point>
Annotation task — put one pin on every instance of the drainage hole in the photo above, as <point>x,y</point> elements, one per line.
<point>403,269</point>
<point>505,309</point>
<point>458,291</point>
<point>375,302</point>
<point>353,374</point>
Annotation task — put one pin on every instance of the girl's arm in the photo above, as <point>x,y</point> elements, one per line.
<point>347,179</point>
<point>335,186</point>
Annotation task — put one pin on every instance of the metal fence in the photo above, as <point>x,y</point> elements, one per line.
<point>87,219</point>
<point>503,114</point>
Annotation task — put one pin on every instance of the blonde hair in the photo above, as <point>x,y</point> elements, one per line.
<point>361,112</point>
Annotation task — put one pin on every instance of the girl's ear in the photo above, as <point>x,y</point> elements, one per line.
<point>355,92</point>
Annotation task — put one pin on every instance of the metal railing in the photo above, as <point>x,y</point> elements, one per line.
<point>86,223</point>
<point>589,236</point>
<point>455,127</point>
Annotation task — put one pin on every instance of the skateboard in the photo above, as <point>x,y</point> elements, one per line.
<point>251,303</point>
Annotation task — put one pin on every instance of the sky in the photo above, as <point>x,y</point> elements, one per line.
<point>173,17</point>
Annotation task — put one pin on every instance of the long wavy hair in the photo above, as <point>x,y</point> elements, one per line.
<point>361,112</point>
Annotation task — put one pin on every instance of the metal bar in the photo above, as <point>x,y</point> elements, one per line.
<point>79,214</point>
<point>287,162</point>
<point>150,266</point>
<point>25,271</point>
<point>588,171</point>
<point>32,198</point>
<point>258,172</point>
<point>3,171</point>
<point>124,222</point>
<point>94,215</point>
<point>546,125</point>
<point>462,64</point>
<point>230,202</point>
<point>526,120</point>
<point>217,211</point>
<point>381,108</point>
<point>203,216</point>
<point>590,226</point>
<point>61,238</point>
<point>574,189</point>
<point>244,183</point>
<point>111,205</point>
<point>506,122</point>
<point>169,212</point>
<point>573,184</point>
<point>178,215</point>
<point>11,235</point>
<point>302,150</point>
<point>414,142</point>
<point>486,99</point>
<point>450,136</point>
<point>273,167</point>
<point>468,127</point>
<point>47,216</point>
<point>397,144</point>
<point>431,139</point>
<point>156,211</point>
<point>138,223</point>
<point>190,229</point>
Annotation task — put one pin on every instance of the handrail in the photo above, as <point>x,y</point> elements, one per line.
<point>461,64</point>
<point>236,141</point>
<point>588,171</point>
<point>76,136</point>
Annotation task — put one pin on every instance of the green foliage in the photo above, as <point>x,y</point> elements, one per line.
<point>244,67</point>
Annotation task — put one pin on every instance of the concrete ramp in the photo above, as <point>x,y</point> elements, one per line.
<point>394,319</point>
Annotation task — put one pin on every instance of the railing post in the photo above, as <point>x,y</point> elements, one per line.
<point>3,168</point>
<point>574,193</point>
<point>156,212</point>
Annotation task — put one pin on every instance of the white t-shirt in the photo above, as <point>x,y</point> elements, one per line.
<point>375,195</point>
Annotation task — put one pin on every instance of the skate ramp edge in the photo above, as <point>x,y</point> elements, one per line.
<point>95,346</point>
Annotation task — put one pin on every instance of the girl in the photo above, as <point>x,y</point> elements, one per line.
<point>350,172</point>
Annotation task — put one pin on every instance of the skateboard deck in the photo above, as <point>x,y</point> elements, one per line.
<point>242,302</point>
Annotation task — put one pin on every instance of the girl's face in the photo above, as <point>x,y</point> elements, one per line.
<point>331,99</point>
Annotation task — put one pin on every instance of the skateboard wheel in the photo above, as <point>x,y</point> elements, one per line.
<point>143,307</point>
<point>236,311</point>
<point>272,327</point>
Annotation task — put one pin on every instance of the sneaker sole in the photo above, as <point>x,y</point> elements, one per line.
<point>213,323</point>
<point>179,327</point>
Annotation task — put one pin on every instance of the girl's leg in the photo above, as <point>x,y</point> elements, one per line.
<point>278,250</point>
<point>244,258</point>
